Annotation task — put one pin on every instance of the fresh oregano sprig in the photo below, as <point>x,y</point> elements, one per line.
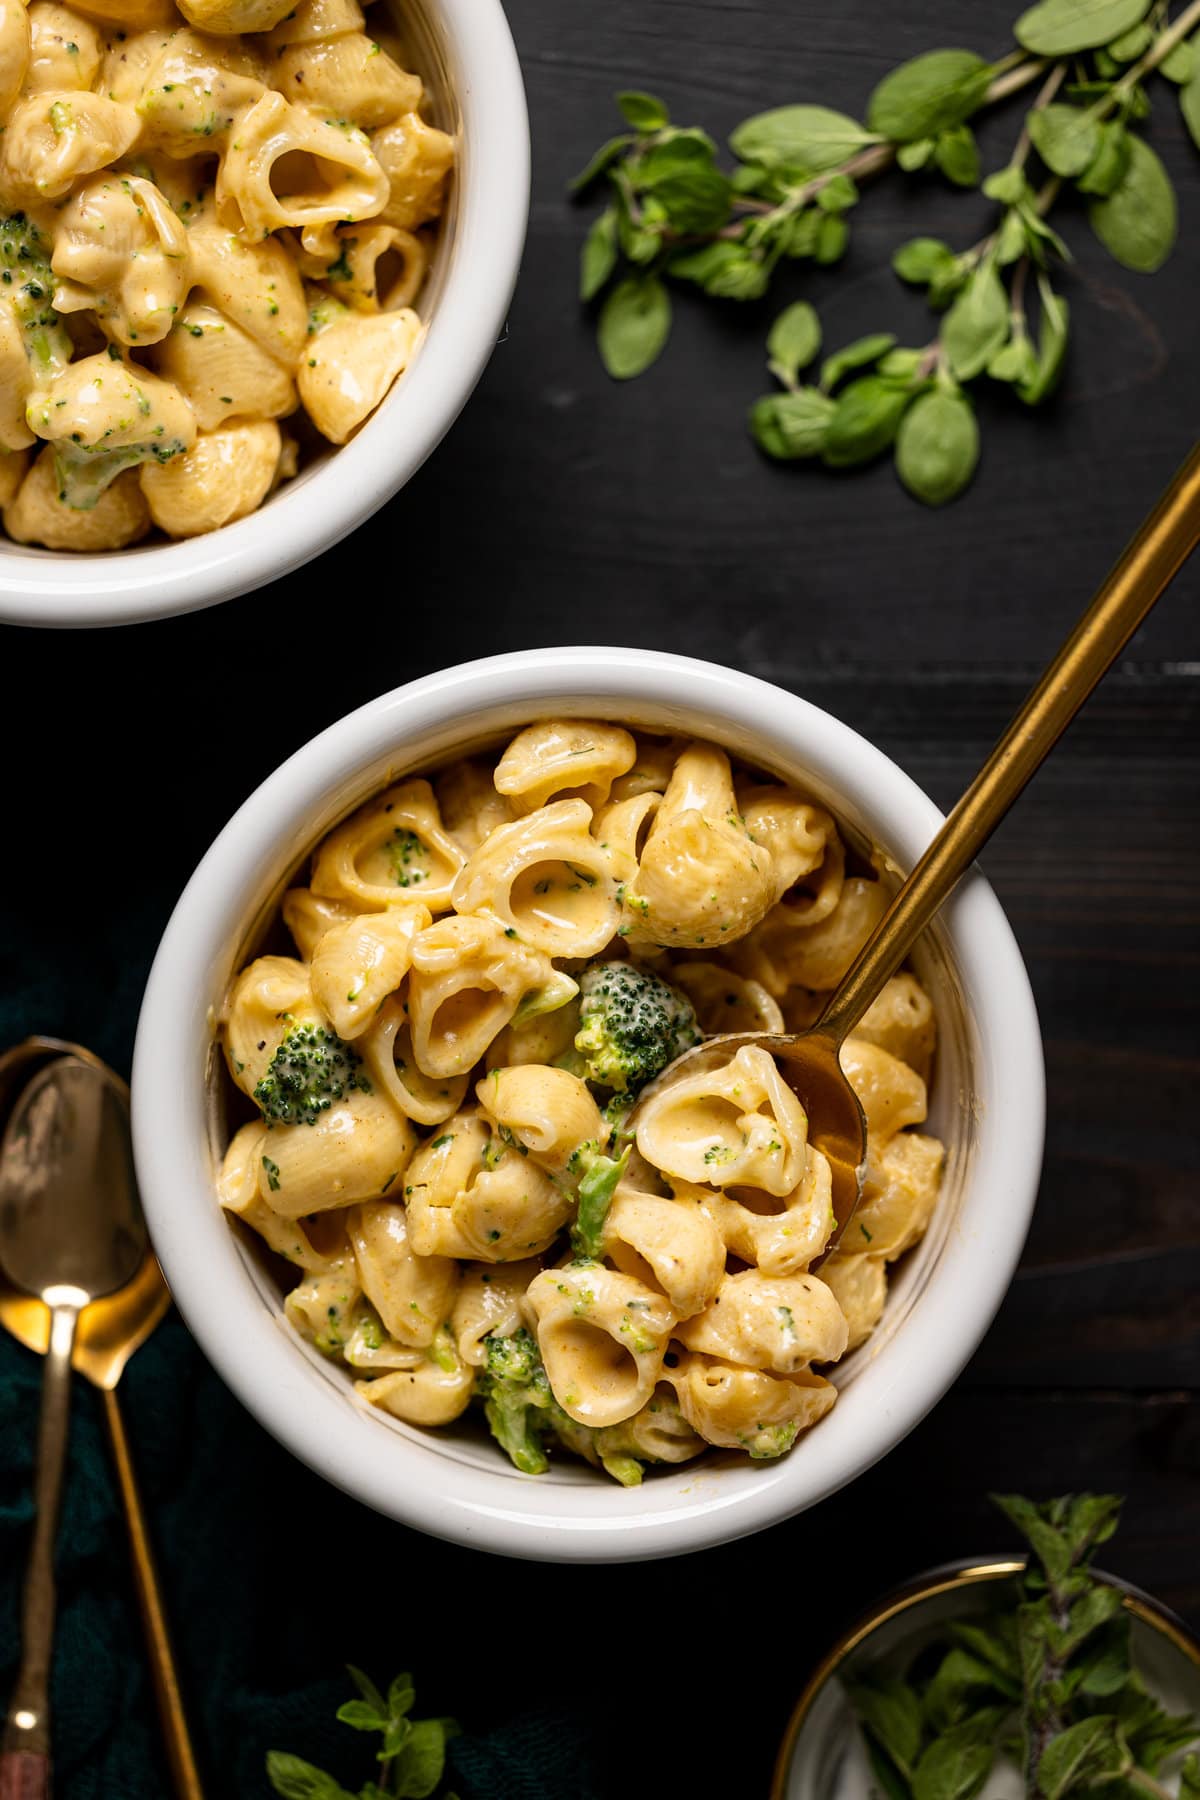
<point>674,215</point>
<point>1045,1683</point>
<point>411,1757</point>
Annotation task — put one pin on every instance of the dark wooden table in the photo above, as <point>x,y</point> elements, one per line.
<point>563,508</point>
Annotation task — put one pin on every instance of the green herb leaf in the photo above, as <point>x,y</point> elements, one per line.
<point>1189,1779</point>
<point>810,137</point>
<point>833,234</point>
<point>1015,361</point>
<point>401,1696</point>
<point>1136,223</point>
<point>793,340</point>
<point>1179,64</point>
<point>367,1688</point>
<point>598,258</point>
<point>634,324</point>
<point>838,194</point>
<point>1086,1752</point>
<point>1061,27</point>
<point>928,95</point>
<point>1107,168</point>
<point>937,449</point>
<point>1008,186</point>
<point>1108,1663</point>
<point>1064,137</point>
<point>362,1716</point>
<point>954,1767</point>
<point>1189,106</point>
<point>298,1780</point>
<point>866,421</point>
<point>695,198</point>
<point>886,1773</point>
<point>645,112</point>
<point>957,155</point>
<point>994,1643</point>
<point>856,355</point>
<point>901,364</point>
<point>977,323</point>
<point>891,1712</point>
<point>421,1763</point>
<point>791,426</point>
<point>605,156</point>
<point>962,1681</point>
<point>1131,44</point>
<point>916,154</point>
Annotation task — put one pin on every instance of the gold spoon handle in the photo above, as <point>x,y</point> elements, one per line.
<point>167,1694</point>
<point>1149,562</point>
<point>25,1753</point>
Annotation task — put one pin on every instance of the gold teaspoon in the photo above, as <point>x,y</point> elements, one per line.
<point>108,1333</point>
<point>809,1060</point>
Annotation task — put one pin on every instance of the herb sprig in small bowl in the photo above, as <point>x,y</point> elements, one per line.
<point>1044,1679</point>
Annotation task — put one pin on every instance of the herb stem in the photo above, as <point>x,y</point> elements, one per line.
<point>1146,1784</point>
<point>1044,96</point>
<point>1162,47</point>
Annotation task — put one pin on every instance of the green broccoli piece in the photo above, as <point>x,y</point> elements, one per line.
<point>598,1178</point>
<point>26,274</point>
<point>517,1400</point>
<point>310,1070</point>
<point>631,1025</point>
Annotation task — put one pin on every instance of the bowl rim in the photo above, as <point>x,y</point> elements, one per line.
<point>538,1517</point>
<point>944,1578</point>
<point>61,589</point>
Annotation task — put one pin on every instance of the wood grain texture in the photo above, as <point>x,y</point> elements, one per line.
<point>563,508</point>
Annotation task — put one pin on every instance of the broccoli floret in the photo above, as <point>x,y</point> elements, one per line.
<point>26,275</point>
<point>632,1025</point>
<point>598,1177</point>
<point>517,1400</point>
<point>310,1070</point>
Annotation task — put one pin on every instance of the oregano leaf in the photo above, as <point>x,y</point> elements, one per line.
<point>1137,221</point>
<point>810,137</point>
<point>1084,1752</point>
<point>1063,27</point>
<point>954,1767</point>
<point>937,450</point>
<point>928,94</point>
<point>865,421</point>
<point>1179,64</point>
<point>598,257</point>
<point>645,112</point>
<point>634,324</point>
<point>922,258</point>
<point>604,157</point>
<point>1189,106</point>
<point>956,154</point>
<point>794,339</point>
<point>1106,170</point>
<point>296,1779</point>
<point>791,426</point>
<point>1189,1779</point>
<point>855,355</point>
<point>891,1711</point>
<point>977,323</point>
<point>1065,138</point>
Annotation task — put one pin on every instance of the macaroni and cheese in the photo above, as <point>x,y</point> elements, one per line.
<point>214,222</point>
<point>490,967</point>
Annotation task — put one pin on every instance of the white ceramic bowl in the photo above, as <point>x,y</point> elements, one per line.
<point>988,1104</point>
<point>464,52</point>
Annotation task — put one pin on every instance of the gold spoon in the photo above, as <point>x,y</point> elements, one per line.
<point>108,1333</point>
<point>808,1060</point>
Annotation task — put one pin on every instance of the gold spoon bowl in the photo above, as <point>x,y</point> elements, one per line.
<point>108,1332</point>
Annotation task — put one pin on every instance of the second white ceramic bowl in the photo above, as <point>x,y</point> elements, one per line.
<point>987,1104</point>
<point>465,55</point>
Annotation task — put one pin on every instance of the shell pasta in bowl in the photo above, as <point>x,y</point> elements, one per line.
<point>230,233</point>
<point>550,1302</point>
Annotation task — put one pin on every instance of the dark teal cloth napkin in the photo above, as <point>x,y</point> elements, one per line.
<point>274,1581</point>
